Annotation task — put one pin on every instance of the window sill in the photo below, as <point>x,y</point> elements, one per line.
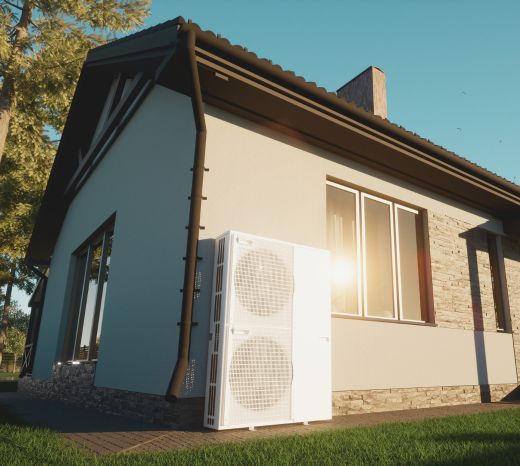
<point>73,363</point>
<point>388,321</point>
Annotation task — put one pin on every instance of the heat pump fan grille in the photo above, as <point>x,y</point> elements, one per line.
<point>263,283</point>
<point>260,375</point>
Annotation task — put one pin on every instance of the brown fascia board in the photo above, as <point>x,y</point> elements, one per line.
<point>288,79</point>
<point>93,85</point>
<point>254,100</point>
<point>157,37</point>
<point>52,210</point>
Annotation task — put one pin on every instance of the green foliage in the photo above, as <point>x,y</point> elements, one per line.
<point>62,33</point>
<point>44,68</point>
<point>18,320</point>
<point>17,326</point>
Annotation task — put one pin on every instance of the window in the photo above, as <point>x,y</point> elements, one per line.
<point>495,282</point>
<point>377,266</point>
<point>88,299</point>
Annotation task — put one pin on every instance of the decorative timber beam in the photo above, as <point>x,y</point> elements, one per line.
<point>111,127</point>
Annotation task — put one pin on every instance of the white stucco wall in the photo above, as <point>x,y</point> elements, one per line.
<point>145,177</point>
<point>268,184</point>
<point>378,355</point>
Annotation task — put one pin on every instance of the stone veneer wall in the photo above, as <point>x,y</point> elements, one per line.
<point>462,290</point>
<point>374,401</point>
<point>74,384</point>
<point>461,275</point>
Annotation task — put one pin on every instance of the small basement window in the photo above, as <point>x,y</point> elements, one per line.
<point>495,282</point>
<point>88,299</point>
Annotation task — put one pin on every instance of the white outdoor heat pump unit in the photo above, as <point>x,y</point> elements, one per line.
<point>269,355</point>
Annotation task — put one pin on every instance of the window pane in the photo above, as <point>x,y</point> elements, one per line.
<point>408,265</point>
<point>379,292</point>
<point>342,244</point>
<point>105,281</point>
<point>77,290</point>
<point>85,327</point>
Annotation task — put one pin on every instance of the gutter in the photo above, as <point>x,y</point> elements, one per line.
<point>362,117</point>
<point>179,373</point>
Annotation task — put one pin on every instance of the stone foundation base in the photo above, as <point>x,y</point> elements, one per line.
<point>74,385</point>
<point>375,401</point>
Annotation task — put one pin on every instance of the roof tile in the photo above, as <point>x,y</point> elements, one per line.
<point>180,20</point>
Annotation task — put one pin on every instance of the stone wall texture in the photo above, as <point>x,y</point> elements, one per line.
<point>74,385</point>
<point>462,290</point>
<point>461,276</point>
<point>374,401</point>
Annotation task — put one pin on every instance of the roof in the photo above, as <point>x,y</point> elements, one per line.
<point>322,89</point>
<point>263,92</point>
<point>180,20</point>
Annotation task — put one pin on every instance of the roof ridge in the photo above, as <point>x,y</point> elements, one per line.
<point>144,32</point>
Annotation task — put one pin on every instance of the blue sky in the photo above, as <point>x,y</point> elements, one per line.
<point>431,51</point>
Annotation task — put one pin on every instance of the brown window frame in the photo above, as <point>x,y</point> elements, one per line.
<point>79,297</point>
<point>496,283</point>
<point>425,277</point>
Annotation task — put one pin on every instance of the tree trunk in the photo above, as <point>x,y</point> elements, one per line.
<point>7,94</point>
<point>7,308</point>
<point>14,366</point>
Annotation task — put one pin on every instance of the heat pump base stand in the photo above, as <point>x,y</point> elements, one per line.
<point>306,423</point>
<point>251,428</point>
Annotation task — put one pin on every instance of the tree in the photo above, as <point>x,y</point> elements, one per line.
<point>43,53</point>
<point>42,48</point>
<point>16,332</point>
<point>17,275</point>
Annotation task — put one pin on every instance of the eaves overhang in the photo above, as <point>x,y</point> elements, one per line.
<point>140,57</point>
<point>236,80</point>
<point>261,91</point>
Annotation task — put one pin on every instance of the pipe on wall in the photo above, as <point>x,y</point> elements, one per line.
<point>179,373</point>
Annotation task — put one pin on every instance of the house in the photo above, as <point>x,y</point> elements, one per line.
<point>174,137</point>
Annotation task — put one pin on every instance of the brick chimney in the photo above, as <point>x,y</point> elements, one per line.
<point>367,90</point>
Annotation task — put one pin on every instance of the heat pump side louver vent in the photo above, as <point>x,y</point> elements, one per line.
<point>216,333</point>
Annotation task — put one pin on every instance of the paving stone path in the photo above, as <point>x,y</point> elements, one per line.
<point>106,433</point>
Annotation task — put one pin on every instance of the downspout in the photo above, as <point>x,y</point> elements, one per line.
<point>179,373</point>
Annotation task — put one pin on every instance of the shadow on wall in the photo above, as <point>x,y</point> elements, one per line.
<point>476,240</point>
<point>195,380</point>
<point>512,395</point>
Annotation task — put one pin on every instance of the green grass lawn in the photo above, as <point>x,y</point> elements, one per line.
<point>9,374</point>
<point>489,438</point>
